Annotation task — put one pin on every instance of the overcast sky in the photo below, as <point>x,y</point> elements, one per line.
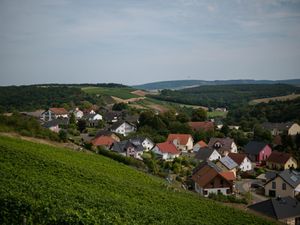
<point>139,41</point>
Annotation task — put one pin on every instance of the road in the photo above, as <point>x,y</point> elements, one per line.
<point>244,186</point>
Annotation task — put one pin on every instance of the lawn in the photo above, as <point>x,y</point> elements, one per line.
<point>46,185</point>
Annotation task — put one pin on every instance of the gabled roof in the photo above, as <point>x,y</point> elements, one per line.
<point>278,126</point>
<point>104,132</point>
<point>202,144</point>
<point>182,138</point>
<point>237,157</point>
<point>254,147</point>
<point>90,116</point>
<point>228,162</point>
<point>122,146</point>
<point>278,208</point>
<point>204,153</point>
<point>225,143</point>
<point>140,140</point>
<point>228,175</point>
<point>168,147</point>
<point>116,125</point>
<point>103,140</point>
<point>279,157</point>
<point>292,177</point>
<point>59,111</point>
<point>205,125</point>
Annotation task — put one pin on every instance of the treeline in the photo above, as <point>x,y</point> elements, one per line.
<point>23,98</point>
<point>275,111</point>
<point>226,95</point>
<point>108,85</point>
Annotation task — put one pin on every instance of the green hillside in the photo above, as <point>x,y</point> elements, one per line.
<point>46,185</point>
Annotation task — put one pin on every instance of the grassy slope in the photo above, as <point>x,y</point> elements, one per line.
<point>50,185</point>
<point>124,93</point>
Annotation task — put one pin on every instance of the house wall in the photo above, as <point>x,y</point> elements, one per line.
<point>279,192</point>
<point>147,144</point>
<point>264,153</point>
<point>294,129</point>
<point>214,156</point>
<point>55,129</point>
<point>289,221</point>
<point>233,148</point>
<point>206,191</point>
<point>291,163</point>
<point>184,148</point>
<point>277,166</point>
<point>246,165</point>
<point>196,148</point>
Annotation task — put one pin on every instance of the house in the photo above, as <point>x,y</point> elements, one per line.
<point>77,113</point>
<point>183,142</point>
<point>227,164</point>
<point>199,145</point>
<point>56,124</point>
<point>223,145</point>
<point>92,119</point>
<point>105,141</point>
<point>128,148</point>
<point>202,126</point>
<point>258,151</point>
<point>112,116</point>
<point>36,114</point>
<point>289,128</point>
<point>107,133</point>
<point>209,178</point>
<point>285,210</point>
<point>286,183</point>
<point>54,113</point>
<point>281,161</point>
<point>123,127</point>
<point>207,154</point>
<point>234,127</point>
<point>147,143</point>
<point>166,150</point>
<point>243,162</point>
<point>265,177</point>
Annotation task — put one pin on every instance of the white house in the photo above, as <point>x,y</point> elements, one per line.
<point>183,142</point>
<point>147,143</point>
<point>77,113</point>
<point>54,113</point>
<point>223,145</point>
<point>205,154</point>
<point>244,163</point>
<point>123,128</point>
<point>166,150</point>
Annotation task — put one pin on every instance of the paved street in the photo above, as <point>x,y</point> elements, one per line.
<point>244,186</point>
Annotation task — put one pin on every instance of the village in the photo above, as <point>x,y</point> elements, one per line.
<point>256,174</point>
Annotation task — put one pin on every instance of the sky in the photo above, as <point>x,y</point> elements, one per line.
<point>140,41</point>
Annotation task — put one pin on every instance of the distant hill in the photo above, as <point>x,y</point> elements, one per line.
<point>181,84</point>
<point>47,185</point>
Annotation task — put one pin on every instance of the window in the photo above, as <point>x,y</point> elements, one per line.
<point>222,183</point>
<point>283,186</point>
<point>219,191</point>
<point>273,185</point>
<point>204,192</point>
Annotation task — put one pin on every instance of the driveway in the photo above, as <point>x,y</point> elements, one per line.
<point>244,186</point>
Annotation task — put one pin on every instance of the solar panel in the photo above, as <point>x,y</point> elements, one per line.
<point>294,178</point>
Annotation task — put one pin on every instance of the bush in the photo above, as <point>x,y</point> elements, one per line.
<point>120,158</point>
<point>227,198</point>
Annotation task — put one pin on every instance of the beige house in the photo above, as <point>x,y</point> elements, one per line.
<point>183,142</point>
<point>289,128</point>
<point>286,183</point>
<point>281,161</point>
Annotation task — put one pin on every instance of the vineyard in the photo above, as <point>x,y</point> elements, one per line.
<point>40,184</point>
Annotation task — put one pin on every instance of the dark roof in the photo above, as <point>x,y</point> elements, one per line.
<point>278,126</point>
<point>111,115</point>
<point>55,122</point>
<point>119,123</point>
<point>278,208</point>
<point>103,132</point>
<point>254,147</point>
<point>292,177</point>
<point>228,162</point>
<point>270,175</point>
<point>204,153</point>
<point>207,163</point>
<point>140,140</point>
<point>122,146</point>
<point>237,157</point>
<point>279,157</point>
<point>224,142</point>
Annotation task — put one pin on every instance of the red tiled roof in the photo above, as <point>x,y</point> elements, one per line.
<point>103,140</point>
<point>237,157</point>
<point>202,144</point>
<point>168,147</point>
<point>59,111</point>
<point>206,125</point>
<point>228,175</point>
<point>279,157</point>
<point>182,138</point>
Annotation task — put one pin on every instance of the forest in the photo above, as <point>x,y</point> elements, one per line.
<point>226,95</point>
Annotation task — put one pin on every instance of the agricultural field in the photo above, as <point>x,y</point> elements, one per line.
<point>279,98</point>
<point>46,185</point>
<point>214,114</point>
<point>119,92</point>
